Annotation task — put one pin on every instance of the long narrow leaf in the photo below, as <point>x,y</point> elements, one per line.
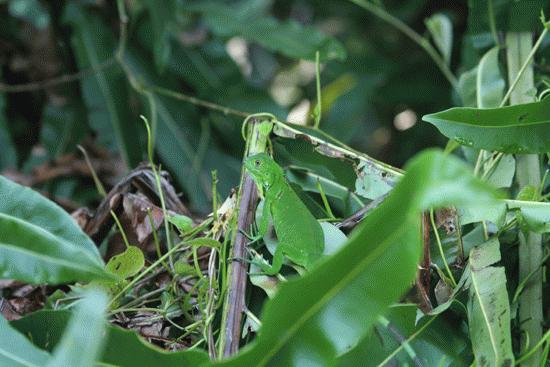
<point>522,128</point>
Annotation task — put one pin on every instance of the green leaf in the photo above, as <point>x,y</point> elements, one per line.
<point>17,351</point>
<point>83,339</point>
<point>520,128</point>
<point>488,307</point>
<point>177,134</point>
<point>162,19</point>
<point>63,127</point>
<point>182,222</point>
<point>441,29</point>
<point>372,182</point>
<point>334,238</point>
<point>122,347</point>
<point>289,37</point>
<point>105,92</point>
<point>467,88</point>
<point>433,341</point>
<point>127,263</point>
<point>326,312</point>
<point>503,174</point>
<point>489,83</point>
<point>40,242</point>
<point>535,214</point>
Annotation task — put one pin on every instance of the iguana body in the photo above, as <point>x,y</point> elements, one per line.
<point>300,236</point>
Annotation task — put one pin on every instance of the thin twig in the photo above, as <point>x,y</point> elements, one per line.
<point>415,37</point>
<point>67,78</point>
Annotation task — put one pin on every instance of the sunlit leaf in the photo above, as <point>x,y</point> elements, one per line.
<point>516,129</point>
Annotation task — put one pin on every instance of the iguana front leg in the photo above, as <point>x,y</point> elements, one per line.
<point>278,258</point>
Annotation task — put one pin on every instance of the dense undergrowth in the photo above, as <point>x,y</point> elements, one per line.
<point>441,263</point>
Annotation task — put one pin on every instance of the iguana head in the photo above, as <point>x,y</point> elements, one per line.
<point>263,169</point>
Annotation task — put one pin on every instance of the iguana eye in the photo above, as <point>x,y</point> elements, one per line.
<point>257,162</point>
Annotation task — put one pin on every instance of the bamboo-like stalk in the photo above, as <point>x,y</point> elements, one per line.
<point>237,274</point>
<point>528,172</point>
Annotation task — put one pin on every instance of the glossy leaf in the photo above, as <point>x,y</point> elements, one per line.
<point>467,87</point>
<point>182,222</point>
<point>488,307</point>
<point>105,92</point>
<point>489,81</point>
<point>325,313</point>
<point>503,173</point>
<point>289,38</point>
<point>17,351</point>
<point>535,214</point>
<point>122,347</point>
<point>516,129</point>
<point>40,242</point>
<point>83,339</point>
<point>441,29</point>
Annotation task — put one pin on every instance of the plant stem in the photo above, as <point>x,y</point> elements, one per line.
<point>519,51</point>
<point>415,37</point>
<point>247,199</point>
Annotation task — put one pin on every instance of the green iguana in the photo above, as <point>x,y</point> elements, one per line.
<point>300,236</point>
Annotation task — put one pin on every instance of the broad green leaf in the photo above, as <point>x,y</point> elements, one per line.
<point>308,181</point>
<point>494,213</point>
<point>105,92</point>
<point>17,351</point>
<point>40,242</point>
<point>289,37</point>
<point>122,347</point>
<point>182,222</point>
<point>334,238</point>
<point>441,29</point>
<point>467,87</point>
<point>488,307</point>
<point>432,341</point>
<point>8,158</point>
<point>372,182</point>
<point>489,81</point>
<point>520,128</point>
<point>127,263</point>
<point>328,311</point>
<point>83,338</point>
<point>535,214</point>
<point>503,173</point>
